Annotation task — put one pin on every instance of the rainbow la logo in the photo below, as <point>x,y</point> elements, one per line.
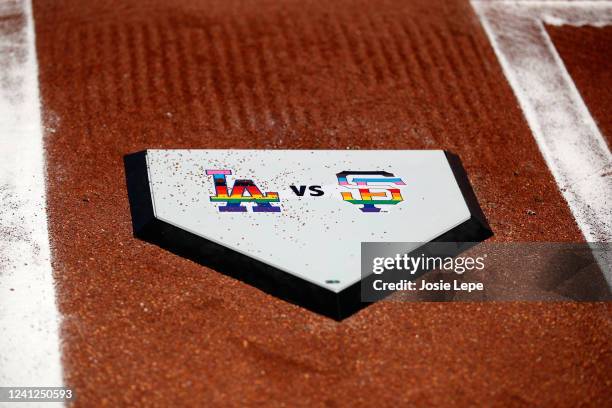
<point>360,182</point>
<point>233,201</point>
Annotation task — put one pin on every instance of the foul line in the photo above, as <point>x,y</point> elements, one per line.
<point>29,320</point>
<point>572,145</point>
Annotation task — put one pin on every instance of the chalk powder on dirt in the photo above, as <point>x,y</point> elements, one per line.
<point>29,343</point>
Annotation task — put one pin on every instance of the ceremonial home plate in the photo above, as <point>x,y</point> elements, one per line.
<point>291,222</point>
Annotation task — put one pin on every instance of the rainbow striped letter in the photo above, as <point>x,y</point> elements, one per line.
<point>363,180</point>
<point>244,191</point>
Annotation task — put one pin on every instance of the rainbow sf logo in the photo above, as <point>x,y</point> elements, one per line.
<point>244,191</point>
<point>363,180</point>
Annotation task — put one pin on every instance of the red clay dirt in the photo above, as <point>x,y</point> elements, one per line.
<point>143,327</point>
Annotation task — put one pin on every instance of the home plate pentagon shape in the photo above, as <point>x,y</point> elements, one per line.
<point>291,222</point>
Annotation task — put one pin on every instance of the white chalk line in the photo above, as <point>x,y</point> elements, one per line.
<point>566,133</point>
<point>29,319</point>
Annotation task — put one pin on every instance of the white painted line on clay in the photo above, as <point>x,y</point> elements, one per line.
<point>29,320</point>
<point>564,130</point>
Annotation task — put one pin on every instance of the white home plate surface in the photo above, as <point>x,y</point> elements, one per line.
<point>292,221</point>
